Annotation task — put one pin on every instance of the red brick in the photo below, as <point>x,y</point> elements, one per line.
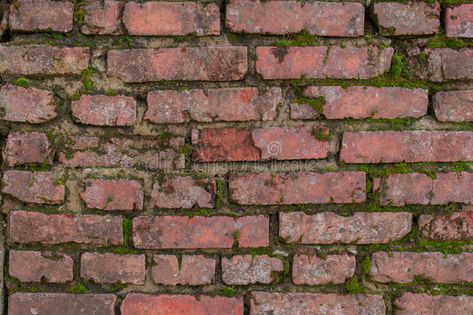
<point>34,187</point>
<point>286,17</point>
<point>193,270</point>
<point>456,106</point>
<point>359,102</point>
<point>31,266</point>
<point>411,18</point>
<point>322,62</point>
<point>313,270</point>
<point>402,189</point>
<point>57,303</point>
<point>172,18</point>
<point>112,268</point>
<point>19,104</point>
<point>330,228</point>
<point>246,269</point>
<point>184,192</point>
<point>113,194</point>
<point>43,60</point>
<point>279,143</point>
<point>406,146</point>
<point>424,304</point>
<point>449,64</point>
<point>298,188</point>
<point>26,147</point>
<point>228,104</point>
<point>144,304</point>
<point>102,110</point>
<point>102,17</point>
<point>459,21</point>
<point>200,232</point>
<point>404,267</point>
<point>181,64</point>
<point>41,15</point>
<point>457,226</point>
<point>300,303</point>
<point>32,227</point>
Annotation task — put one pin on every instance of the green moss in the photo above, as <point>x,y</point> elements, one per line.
<point>124,41</point>
<point>79,12</point>
<point>87,79</point>
<point>397,65</point>
<point>79,288</point>
<point>354,287</point>
<point>441,41</point>
<point>124,251</point>
<point>220,192</point>
<point>322,134</point>
<point>22,82</point>
<point>303,39</point>
<point>195,212</point>
<point>228,292</point>
<point>110,92</point>
<point>127,229</point>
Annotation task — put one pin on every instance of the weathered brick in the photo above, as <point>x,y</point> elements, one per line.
<point>278,143</point>
<point>193,270</point>
<point>246,269</point>
<point>286,17</point>
<point>145,304</point>
<point>298,188</point>
<point>58,303</point>
<point>459,21</point>
<point>322,62</point>
<point>184,192</point>
<point>181,64</point>
<point>112,268</point>
<point>411,18</point>
<point>330,228</point>
<point>457,226</point>
<point>406,146</point>
<point>27,147</point>
<point>102,17</point>
<point>200,232</point>
<point>34,187</point>
<point>403,267</point>
<point>424,304</point>
<point>102,110</point>
<point>31,105</point>
<point>113,194</point>
<point>43,60</point>
<point>359,102</point>
<point>415,188</point>
<point>449,64</point>
<point>172,18</point>
<point>41,15</point>
<point>32,227</point>
<point>314,270</point>
<point>456,106</point>
<point>300,303</point>
<point>227,104</point>
<point>32,266</point>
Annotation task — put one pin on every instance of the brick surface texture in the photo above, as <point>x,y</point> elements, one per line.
<point>238,157</point>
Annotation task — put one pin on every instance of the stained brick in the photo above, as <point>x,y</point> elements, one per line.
<point>330,228</point>
<point>322,62</point>
<point>193,270</point>
<point>172,18</point>
<point>228,104</point>
<point>455,106</point>
<point>113,194</point>
<point>246,269</point>
<point>406,146</point>
<point>34,187</point>
<point>32,266</point>
<point>449,64</point>
<point>424,304</point>
<point>298,188</point>
<point>314,270</point>
<point>457,226</point>
<point>32,227</point>
<point>286,17</point>
<point>182,64</point>
<point>102,110</point>
<point>459,21</point>
<point>27,147</point>
<point>102,17</point>
<point>200,232</point>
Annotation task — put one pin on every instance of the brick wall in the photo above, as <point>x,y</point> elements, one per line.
<point>237,157</point>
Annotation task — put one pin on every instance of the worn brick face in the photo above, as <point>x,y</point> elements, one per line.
<point>103,17</point>
<point>113,194</point>
<point>459,21</point>
<point>314,270</point>
<point>457,226</point>
<point>424,304</point>
<point>102,110</point>
<point>27,147</point>
<point>454,106</point>
<point>449,64</point>
<point>246,269</point>
<point>194,270</point>
<point>34,187</point>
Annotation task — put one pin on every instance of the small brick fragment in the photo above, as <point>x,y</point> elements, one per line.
<point>103,18</point>
<point>454,106</point>
<point>246,269</point>
<point>330,228</point>
<point>113,194</point>
<point>424,304</point>
<point>459,21</point>
<point>102,110</point>
<point>34,187</point>
<point>193,270</point>
<point>28,227</point>
<point>27,147</point>
<point>32,266</point>
<point>457,226</point>
<point>449,64</point>
<point>313,270</point>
